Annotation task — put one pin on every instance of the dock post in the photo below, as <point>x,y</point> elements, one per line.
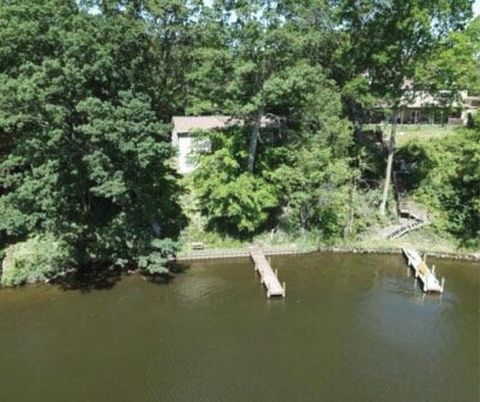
<point>285,289</point>
<point>433,269</point>
<point>443,283</point>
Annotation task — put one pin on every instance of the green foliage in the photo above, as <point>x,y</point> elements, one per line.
<point>317,192</point>
<point>307,173</point>
<point>232,200</point>
<point>35,260</point>
<point>316,179</point>
<point>455,66</point>
<point>156,262</point>
<point>476,121</point>
<point>85,96</point>
<point>88,157</point>
<point>446,178</point>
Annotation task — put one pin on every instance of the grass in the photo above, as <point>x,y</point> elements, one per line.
<point>423,239</point>
<point>413,132</point>
<point>197,231</point>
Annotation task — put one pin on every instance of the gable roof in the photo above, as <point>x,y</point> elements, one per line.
<point>188,124</point>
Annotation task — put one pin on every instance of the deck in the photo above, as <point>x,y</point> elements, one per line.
<point>427,276</point>
<point>268,277</point>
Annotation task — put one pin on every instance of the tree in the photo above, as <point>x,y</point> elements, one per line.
<point>244,45</point>
<point>447,180</point>
<point>316,176</point>
<point>454,66</point>
<point>234,201</point>
<point>211,67</point>
<point>306,173</point>
<point>394,39</point>
<point>89,153</point>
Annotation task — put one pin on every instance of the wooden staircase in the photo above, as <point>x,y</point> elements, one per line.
<point>416,215</point>
<point>402,230</point>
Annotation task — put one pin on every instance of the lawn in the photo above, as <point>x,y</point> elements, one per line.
<point>409,132</point>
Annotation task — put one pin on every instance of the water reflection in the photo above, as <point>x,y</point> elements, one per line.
<point>352,328</point>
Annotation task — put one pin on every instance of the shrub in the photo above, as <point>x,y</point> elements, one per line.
<point>162,252</point>
<point>34,260</point>
<point>446,179</point>
<point>243,203</point>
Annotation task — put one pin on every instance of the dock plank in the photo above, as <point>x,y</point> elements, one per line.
<point>423,272</point>
<point>268,277</point>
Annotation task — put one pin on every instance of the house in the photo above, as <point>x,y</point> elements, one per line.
<point>472,106</point>
<point>427,109</point>
<point>185,136</point>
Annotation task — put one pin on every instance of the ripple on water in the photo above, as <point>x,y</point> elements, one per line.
<point>351,328</point>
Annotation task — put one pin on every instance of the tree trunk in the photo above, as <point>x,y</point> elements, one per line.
<point>347,232</point>
<point>252,148</point>
<point>391,152</point>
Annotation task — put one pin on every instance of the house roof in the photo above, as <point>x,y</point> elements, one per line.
<point>187,124</point>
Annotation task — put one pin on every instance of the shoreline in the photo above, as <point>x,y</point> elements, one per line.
<point>224,253</point>
<point>244,252</point>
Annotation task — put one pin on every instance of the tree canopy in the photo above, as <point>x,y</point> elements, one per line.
<point>88,151</point>
<point>88,89</point>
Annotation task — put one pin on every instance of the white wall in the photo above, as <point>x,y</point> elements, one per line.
<point>187,146</point>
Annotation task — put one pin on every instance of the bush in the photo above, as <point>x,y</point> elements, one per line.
<point>446,179</point>
<point>155,263</point>
<point>34,260</point>
<point>243,203</point>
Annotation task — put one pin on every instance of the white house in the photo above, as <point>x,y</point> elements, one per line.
<point>185,138</point>
<point>421,108</point>
<point>424,108</point>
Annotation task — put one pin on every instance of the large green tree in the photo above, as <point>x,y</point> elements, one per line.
<point>89,153</point>
<point>454,67</point>
<point>447,180</point>
<point>393,39</point>
<point>244,45</point>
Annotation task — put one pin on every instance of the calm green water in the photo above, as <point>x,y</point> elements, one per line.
<point>352,328</point>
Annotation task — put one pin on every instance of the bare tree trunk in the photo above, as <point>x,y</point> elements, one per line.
<point>252,148</point>
<point>391,152</point>
<point>347,232</point>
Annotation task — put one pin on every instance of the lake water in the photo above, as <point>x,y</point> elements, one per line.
<point>352,328</point>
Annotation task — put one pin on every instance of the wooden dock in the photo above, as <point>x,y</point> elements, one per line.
<point>268,277</point>
<point>427,276</point>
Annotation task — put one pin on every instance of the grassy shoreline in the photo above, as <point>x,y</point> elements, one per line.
<point>472,257</point>
<point>424,241</point>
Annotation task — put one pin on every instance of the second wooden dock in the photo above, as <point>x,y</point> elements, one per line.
<point>268,277</point>
<point>426,275</point>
